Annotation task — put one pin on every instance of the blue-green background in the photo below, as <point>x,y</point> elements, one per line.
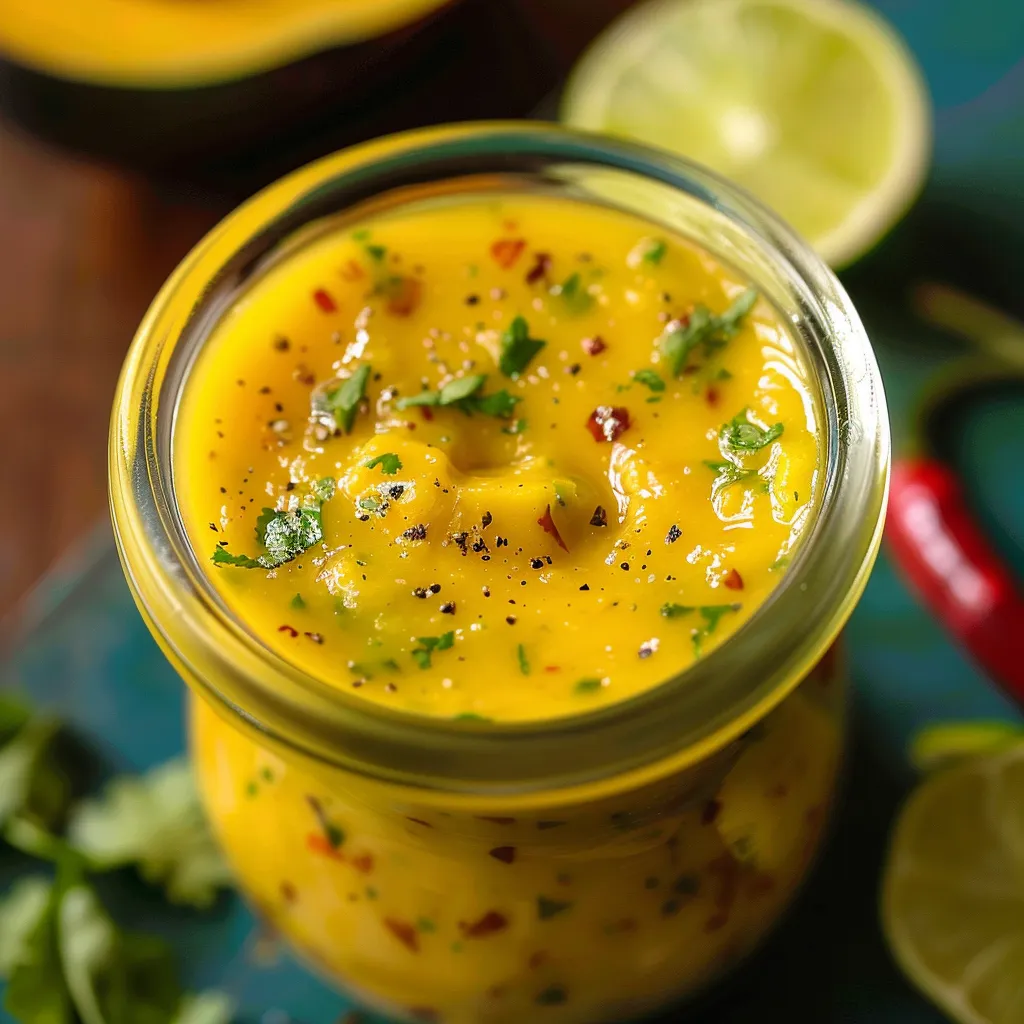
<point>88,654</point>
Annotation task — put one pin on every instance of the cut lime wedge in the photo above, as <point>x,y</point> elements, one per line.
<point>815,106</point>
<point>953,895</point>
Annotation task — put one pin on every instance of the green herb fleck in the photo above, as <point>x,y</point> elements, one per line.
<point>343,402</point>
<point>389,463</point>
<point>548,908</point>
<point>779,563</point>
<point>298,603</point>
<point>429,644</point>
<point>371,892</point>
<point>361,235</point>
<point>655,251</point>
<point>284,535</point>
<point>464,394</point>
<point>741,436</point>
<point>424,924</point>
<point>587,685</point>
<point>517,348</point>
<point>703,330</point>
<point>574,294</point>
<point>647,250</point>
<point>673,611</point>
<point>524,664</point>
<point>376,252</point>
<point>649,378</point>
<point>515,427</point>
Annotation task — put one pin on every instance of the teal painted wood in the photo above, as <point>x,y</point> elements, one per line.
<point>91,657</point>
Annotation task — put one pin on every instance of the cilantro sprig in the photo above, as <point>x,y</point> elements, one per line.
<point>518,348</point>
<point>650,379</point>
<point>286,534</point>
<point>464,394</point>
<point>65,960</point>
<point>703,332</point>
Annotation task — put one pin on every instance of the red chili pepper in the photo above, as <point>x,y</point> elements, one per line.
<point>547,524</point>
<point>957,574</point>
<point>608,422</point>
<point>507,250</point>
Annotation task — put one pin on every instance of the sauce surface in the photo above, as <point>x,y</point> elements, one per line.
<point>504,457</point>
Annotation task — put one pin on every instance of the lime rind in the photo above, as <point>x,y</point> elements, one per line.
<point>755,89</point>
<point>942,744</point>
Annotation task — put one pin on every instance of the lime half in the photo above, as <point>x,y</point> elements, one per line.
<point>953,895</point>
<point>815,106</point>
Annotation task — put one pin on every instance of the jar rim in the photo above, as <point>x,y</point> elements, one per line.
<point>683,719</point>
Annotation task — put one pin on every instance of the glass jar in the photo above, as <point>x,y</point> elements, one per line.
<point>591,868</point>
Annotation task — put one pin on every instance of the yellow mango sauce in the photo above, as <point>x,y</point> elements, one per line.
<point>581,556</point>
<point>507,458</point>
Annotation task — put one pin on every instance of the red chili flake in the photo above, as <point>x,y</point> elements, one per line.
<point>548,525</point>
<point>324,301</point>
<point>608,422</point>
<point>419,821</point>
<point>352,271</point>
<point>540,268</point>
<point>496,821</point>
<point>538,959</point>
<point>552,668</point>
<point>404,932</point>
<point>711,396</point>
<point>426,412</point>
<point>491,923</point>
<point>733,580</point>
<point>778,792</point>
<point>507,250</point>
<point>290,630</point>
<point>506,854</point>
<point>288,893</point>
<point>710,813</point>
<point>320,844</point>
<point>404,297</point>
<point>362,862</point>
<point>593,346</point>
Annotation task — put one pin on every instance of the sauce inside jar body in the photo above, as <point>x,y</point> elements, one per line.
<point>507,459</point>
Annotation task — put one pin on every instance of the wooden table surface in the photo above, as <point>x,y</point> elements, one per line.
<point>83,250</point>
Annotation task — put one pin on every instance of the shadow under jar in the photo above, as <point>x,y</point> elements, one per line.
<point>590,867</point>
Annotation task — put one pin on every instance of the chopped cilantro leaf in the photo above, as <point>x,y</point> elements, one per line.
<point>574,294</point>
<point>429,644</point>
<point>461,388</point>
<point>464,394</point>
<point>587,685</point>
<point>376,252</point>
<point>524,664</point>
<point>298,603</point>
<point>516,427</point>
<point>548,908</point>
<point>284,535</point>
<point>673,611</point>
<point>517,348</point>
<point>649,378</point>
<point>740,435</point>
<point>655,251</point>
<point>389,463</point>
<point>343,401</point>
<point>500,404</point>
<point>223,557</point>
<point>703,330</point>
